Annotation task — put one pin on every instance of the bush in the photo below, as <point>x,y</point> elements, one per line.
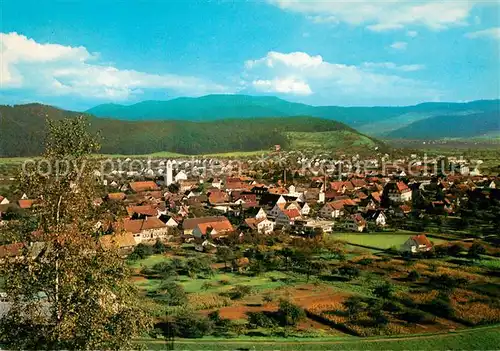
<point>290,314</point>
<point>440,307</point>
<point>349,271</point>
<point>141,251</point>
<point>476,250</point>
<point>239,292</point>
<point>165,269</point>
<point>260,320</point>
<point>188,325</point>
<point>413,276</point>
<point>384,291</point>
<point>365,261</point>
<point>416,316</point>
<point>173,294</point>
<point>159,247</point>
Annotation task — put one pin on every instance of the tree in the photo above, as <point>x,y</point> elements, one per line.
<point>159,247</point>
<point>290,314</point>
<point>349,271</point>
<point>225,254</point>
<point>413,276</point>
<point>173,294</point>
<point>384,291</point>
<point>476,250</point>
<point>73,293</point>
<point>354,306</point>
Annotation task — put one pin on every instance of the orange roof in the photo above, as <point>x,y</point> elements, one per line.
<point>218,226</point>
<point>117,196</point>
<point>292,213</point>
<point>146,210</point>
<point>278,191</point>
<point>11,250</point>
<point>402,186</point>
<point>376,196</point>
<point>144,186</point>
<point>26,203</point>
<point>252,222</point>
<point>422,240</point>
<point>138,225</point>
<point>359,183</point>
<point>191,223</point>
<point>217,197</point>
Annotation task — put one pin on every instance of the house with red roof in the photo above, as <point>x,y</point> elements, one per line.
<point>356,223</point>
<point>398,192</point>
<point>214,229</point>
<point>417,243</point>
<point>288,217</point>
<point>144,186</point>
<point>333,209</point>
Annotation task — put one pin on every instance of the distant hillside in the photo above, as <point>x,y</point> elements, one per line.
<point>451,126</point>
<point>24,130</point>
<point>376,121</point>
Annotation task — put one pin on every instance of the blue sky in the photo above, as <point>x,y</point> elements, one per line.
<point>76,54</point>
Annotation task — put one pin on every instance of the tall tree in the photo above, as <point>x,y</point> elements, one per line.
<point>66,291</point>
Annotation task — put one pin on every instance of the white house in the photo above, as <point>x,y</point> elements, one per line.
<point>417,243</point>
<point>398,192</point>
<point>181,175</point>
<point>334,209</point>
<point>261,214</point>
<point>261,225</point>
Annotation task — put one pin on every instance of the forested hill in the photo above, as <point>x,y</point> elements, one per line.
<point>23,131</point>
<point>375,121</point>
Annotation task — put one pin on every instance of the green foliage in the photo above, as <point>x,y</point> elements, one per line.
<point>349,271</point>
<point>239,292</point>
<point>290,314</point>
<point>25,128</point>
<point>413,276</point>
<point>141,251</point>
<point>476,250</point>
<point>159,247</point>
<point>260,320</point>
<point>186,324</point>
<point>384,291</point>
<point>172,294</point>
<point>90,303</point>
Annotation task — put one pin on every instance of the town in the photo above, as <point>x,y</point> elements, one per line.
<point>242,227</point>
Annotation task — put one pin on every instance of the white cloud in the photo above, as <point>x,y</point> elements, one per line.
<point>399,45</point>
<point>288,85</point>
<point>323,19</point>
<point>412,33</point>
<point>298,73</point>
<point>382,15</point>
<point>493,33</point>
<point>393,66</point>
<point>53,69</point>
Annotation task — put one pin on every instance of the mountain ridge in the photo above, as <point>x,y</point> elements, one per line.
<point>25,129</point>
<point>379,121</point>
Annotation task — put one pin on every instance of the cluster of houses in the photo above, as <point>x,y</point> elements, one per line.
<point>206,210</point>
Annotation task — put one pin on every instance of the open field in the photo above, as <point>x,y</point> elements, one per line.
<point>163,154</point>
<point>482,338</point>
<point>330,140</point>
<point>378,240</point>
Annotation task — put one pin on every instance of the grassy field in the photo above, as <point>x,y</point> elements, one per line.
<point>378,240</point>
<point>163,154</point>
<point>484,338</point>
<point>330,140</point>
